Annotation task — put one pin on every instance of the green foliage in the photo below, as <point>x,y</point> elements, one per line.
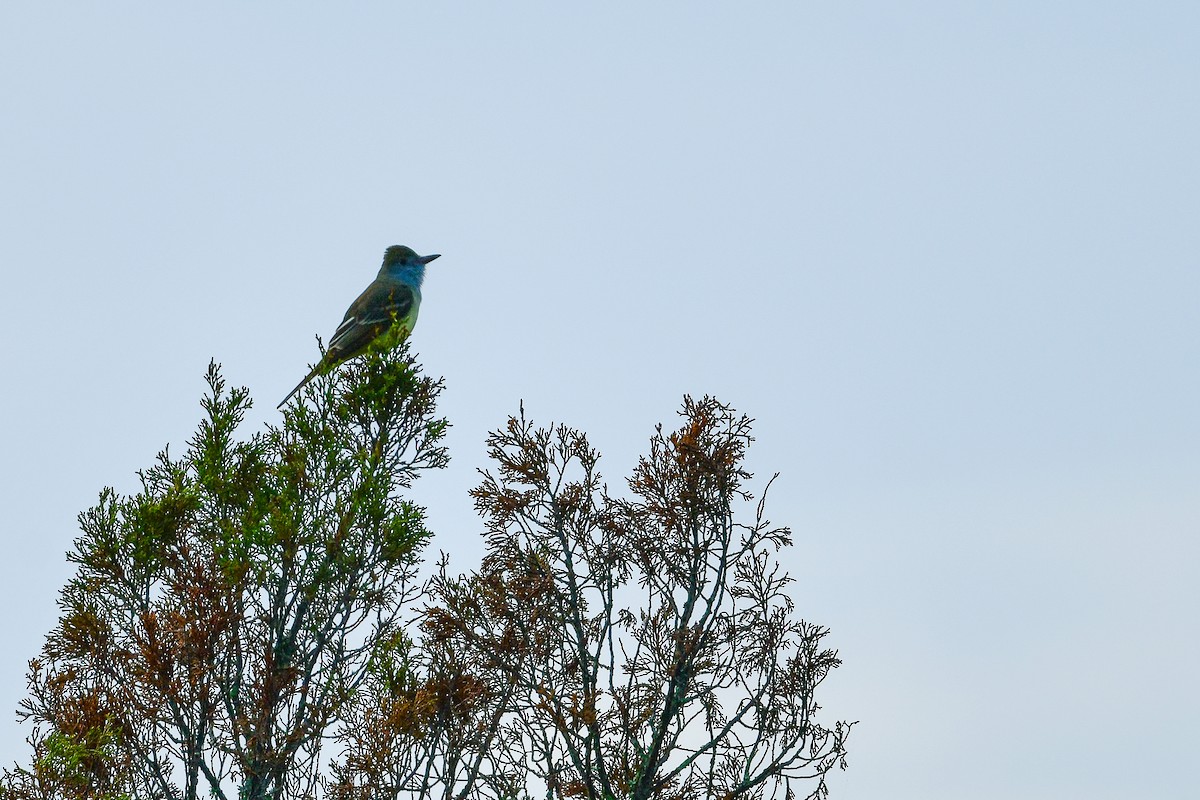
<point>71,762</point>
<point>221,617</point>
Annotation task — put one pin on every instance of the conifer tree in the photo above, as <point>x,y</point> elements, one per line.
<point>642,645</point>
<point>221,617</point>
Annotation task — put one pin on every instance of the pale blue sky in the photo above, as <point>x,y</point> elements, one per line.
<point>947,255</point>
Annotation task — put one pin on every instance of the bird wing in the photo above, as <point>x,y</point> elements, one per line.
<point>380,305</point>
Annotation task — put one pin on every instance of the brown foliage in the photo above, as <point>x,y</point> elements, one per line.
<point>613,647</point>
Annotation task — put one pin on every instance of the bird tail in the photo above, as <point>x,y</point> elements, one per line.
<point>300,385</point>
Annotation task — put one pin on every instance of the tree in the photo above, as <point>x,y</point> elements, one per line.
<point>641,647</point>
<point>222,617</point>
<point>250,624</point>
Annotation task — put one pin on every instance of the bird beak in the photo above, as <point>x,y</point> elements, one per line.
<point>427,259</point>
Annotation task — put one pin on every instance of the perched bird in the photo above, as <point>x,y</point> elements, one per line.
<point>393,298</point>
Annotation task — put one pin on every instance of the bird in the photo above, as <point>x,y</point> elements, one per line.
<point>393,298</point>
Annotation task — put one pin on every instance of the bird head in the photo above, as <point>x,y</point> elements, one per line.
<point>398,255</point>
<point>403,263</point>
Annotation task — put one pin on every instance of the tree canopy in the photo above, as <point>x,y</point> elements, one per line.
<point>254,623</point>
